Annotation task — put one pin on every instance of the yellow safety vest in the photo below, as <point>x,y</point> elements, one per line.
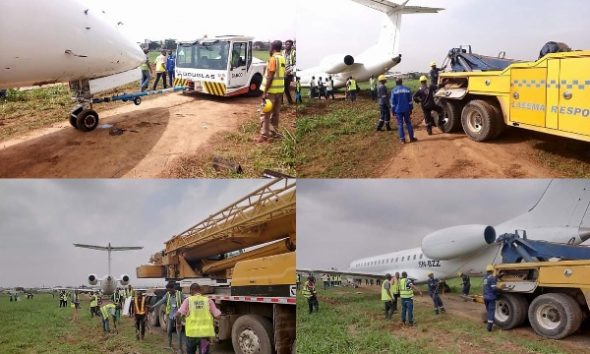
<point>352,85</point>
<point>94,301</point>
<point>199,322</point>
<point>305,291</point>
<point>395,287</point>
<point>105,310</point>
<point>385,294</point>
<point>277,85</point>
<point>178,301</point>
<point>139,310</point>
<point>298,86</point>
<point>404,292</point>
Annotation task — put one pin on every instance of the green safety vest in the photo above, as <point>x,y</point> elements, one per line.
<point>94,301</point>
<point>404,292</point>
<point>116,297</point>
<point>277,85</point>
<point>145,66</point>
<point>395,287</point>
<point>178,301</point>
<point>105,310</point>
<point>298,86</point>
<point>385,294</point>
<point>199,322</point>
<point>305,291</point>
<point>352,85</point>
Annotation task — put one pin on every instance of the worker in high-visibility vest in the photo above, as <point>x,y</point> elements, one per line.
<point>351,89</point>
<point>108,311</point>
<point>117,301</point>
<point>199,312</point>
<point>406,291</point>
<point>387,297</point>
<point>129,292</point>
<point>139,310</point>
<point>173,300</point>
<point>75,305</point>
<point>273,87</point>
<point>290,60</point>
<point>146,71</point>
<point>94,305</point>
<point>395,290</point>
<point>310,294</point>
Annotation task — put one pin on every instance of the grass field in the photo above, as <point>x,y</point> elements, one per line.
<point>350,321</point>
<point>337,139</point>
<point>40,326</point>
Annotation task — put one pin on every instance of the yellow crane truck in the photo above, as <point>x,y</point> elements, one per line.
<point>251,245</point>
<point>484,94</point>
<point>545,283</point>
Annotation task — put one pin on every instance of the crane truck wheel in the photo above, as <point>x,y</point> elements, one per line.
<point>254,89</point>
<point>87,120</point>
<point>252,334</point>
<point>555,316</point>
<point>451,119</point>
<point>162,317</point>
<point>511,311</point>
<point>479,120</point>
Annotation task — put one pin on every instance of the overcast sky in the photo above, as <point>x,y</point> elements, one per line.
<point>190,19</point>
<point>342,220</point>
<point>518,27</point>
<point>40,219</point>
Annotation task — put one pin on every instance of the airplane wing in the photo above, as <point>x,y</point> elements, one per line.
<point>131,248</point>
<point>418,275</point>
<point>92,247</point>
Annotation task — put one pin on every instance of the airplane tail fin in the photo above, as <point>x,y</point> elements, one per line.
<point>563,206</point>
<point>390,32</point>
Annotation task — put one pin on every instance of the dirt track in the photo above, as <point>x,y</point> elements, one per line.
<point>154,134</point>
<point>457,156</point>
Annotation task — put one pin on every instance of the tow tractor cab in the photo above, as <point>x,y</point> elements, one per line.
<point>219,66</point>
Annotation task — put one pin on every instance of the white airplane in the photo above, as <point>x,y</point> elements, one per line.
<point>375,60</point>
<point>560,215</point>
<point>45,42</point>
<point>108,284</point>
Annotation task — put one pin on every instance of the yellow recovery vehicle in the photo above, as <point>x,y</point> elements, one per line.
<point>251,245</point>
<point>546,283</point>
<point>484,94</point>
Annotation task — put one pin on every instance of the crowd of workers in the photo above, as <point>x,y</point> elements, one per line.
<point>401,288</point>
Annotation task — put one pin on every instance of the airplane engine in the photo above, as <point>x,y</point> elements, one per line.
<point>92,280</point>
<point>124,279</point>
<point>457,241</point>
<point>336,64</point>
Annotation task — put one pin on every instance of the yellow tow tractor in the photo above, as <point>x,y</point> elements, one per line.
<point>485,94</point>
<point>546,283</point>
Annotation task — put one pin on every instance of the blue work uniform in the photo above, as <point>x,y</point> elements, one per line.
<point>490,294</point>
<point>170,66</point>
<point>401,106</point>
<point>434,75</point>
<point>433,285</point>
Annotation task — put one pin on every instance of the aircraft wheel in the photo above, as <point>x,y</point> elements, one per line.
<point>87,120</point>
<point>511,310</point>
<point>555,315</point>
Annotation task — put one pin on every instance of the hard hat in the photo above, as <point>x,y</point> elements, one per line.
<point>381,78</point>
<point>423,78</point>
<point>489,268</point>
<point>267,106</point>
<point>433,63</point>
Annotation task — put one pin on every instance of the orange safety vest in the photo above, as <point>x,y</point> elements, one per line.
<point>139,310</point>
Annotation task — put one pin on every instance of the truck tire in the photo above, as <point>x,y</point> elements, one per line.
<point>294,347</point>
<point>252,334</point>
<point>451,120</point>
<point>480,120</point>
<point>254,89</point>
<point>162,317</point>
<point>511,311</point>
<point>502,126</point>
<point>555,315</point>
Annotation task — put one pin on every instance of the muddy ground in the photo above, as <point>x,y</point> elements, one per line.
<point>153,136</point>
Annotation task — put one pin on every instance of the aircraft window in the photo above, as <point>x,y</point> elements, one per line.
<point>421,256</point>
<point>403,258</point>
<point>396,259</point>
<point>414,257</point>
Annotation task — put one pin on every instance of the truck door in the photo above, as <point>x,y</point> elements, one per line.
<point>574,96</point>
<point>528,96</point>
<point>238,65</point>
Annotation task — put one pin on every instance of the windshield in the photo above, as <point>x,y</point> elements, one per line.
<point>207,55</point>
